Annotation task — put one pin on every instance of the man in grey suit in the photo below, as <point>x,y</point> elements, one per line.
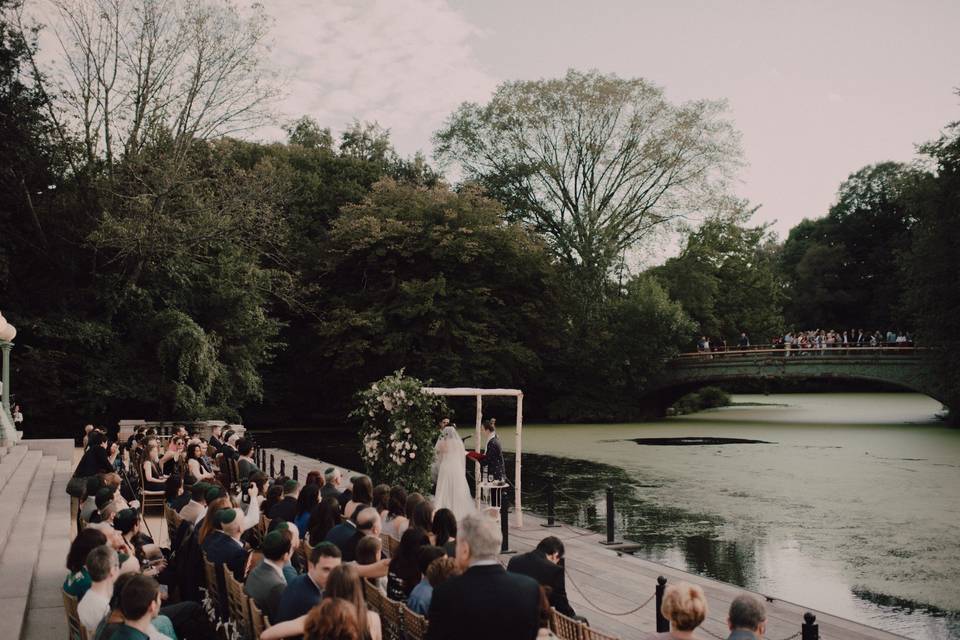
<point>747,619</point>
<point>266,582</point>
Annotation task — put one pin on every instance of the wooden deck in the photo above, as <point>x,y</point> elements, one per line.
<point>602,583</point>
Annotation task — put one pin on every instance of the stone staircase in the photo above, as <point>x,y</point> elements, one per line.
<point>34,539</point>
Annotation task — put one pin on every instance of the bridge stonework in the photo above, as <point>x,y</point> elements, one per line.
<point>685,374</point>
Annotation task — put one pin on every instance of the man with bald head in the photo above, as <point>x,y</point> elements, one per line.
<point>346,535</point>
<point>747,618</point>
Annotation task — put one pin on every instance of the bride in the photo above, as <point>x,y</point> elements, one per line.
<point>452,490</point>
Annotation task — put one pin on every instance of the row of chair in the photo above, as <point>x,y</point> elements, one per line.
<point>397,620</point>
<point>241,611</point>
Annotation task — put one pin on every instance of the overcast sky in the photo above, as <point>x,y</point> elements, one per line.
<point>818,89</point>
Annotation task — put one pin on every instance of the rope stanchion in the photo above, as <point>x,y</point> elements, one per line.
<point>606,611</point>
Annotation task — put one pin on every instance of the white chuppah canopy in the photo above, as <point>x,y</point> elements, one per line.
<point>479,394</point>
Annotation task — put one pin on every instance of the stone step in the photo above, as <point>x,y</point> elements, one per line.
<point>24,499</point>
<point>10,463</point>
<point>45,616</point>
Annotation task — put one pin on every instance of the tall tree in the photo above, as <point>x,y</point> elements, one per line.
<point>841,271</point>
<point>594,162</point>
<point>726,279</point>
<point>932,264</point>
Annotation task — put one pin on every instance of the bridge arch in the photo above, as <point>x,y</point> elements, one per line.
<point>904,368</point>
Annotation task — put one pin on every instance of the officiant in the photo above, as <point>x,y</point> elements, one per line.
<point>492,459</point>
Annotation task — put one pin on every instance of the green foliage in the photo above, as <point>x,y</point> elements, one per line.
<point>706,398</point>
<point>842,271</point>
<point>594,162</point>
<point>611,355</point>
<point>932,267</point>
<point>398,430</point>
<point>435,281</point>
<point>725,277</point>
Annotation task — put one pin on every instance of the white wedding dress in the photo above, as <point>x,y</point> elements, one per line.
<point>452,490</point>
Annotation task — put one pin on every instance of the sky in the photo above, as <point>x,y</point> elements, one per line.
<point>818,89</point>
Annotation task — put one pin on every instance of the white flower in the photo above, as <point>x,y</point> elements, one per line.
<point>414,447</point>
<point>388,404</point>
<point>412,456</point>
<point>407,430</point>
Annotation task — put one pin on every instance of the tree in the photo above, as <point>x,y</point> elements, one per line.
<point>931,265</point>
<point>841,271</point>
<point>434,281</point>
<point>594,162</point>
<point>135,70</point>
<point>725,278</point>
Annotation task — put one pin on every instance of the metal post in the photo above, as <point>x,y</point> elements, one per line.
<point>6,347</point>
<point>505,523</point>
<point>611,524</point>
<point>662,623</point>
<point>272,474</point>
<point>283,468</point>
<point>296,473</point>
<point>809,630</point>
<point>551,515</point>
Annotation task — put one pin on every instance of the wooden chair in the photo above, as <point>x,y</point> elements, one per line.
<point>390,544</point>
<point>373,596</point>
<point>76,630</point>
<point>148,498</point>
<point>258,622</point>
<point>264,525</point>
<point>414,624</point>
<point>173,521</point>
<point>213,585</point>
<point>589,633</point>
<point>566,628</point>
<point>391,618</point>
<point>238,604</point>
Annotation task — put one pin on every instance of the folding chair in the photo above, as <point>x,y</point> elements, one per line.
<point>414,624</point>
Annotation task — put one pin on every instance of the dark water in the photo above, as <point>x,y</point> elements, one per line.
<point>845,503</point>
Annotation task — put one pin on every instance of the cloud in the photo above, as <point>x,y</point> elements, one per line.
<point>404,63</point>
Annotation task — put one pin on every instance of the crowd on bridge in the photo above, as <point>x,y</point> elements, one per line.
<point>813,341</point>
<point>316,560</point>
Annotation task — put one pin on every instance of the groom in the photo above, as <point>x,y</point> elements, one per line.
<point>492,458</point>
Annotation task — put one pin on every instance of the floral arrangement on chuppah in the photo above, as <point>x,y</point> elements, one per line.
<point>398,431</point>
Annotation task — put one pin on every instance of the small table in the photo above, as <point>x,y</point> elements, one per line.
<point>490,492</point>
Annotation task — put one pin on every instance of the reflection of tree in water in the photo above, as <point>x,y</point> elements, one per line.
<point>950,619</point>
<point>580,495</point>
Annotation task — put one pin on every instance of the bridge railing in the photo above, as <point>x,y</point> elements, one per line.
<point>796,351</point>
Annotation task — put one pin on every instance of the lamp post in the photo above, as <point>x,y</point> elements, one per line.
<point>7,333</point>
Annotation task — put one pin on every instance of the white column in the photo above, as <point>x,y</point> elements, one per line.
<point>518,466</point>
<point>476,447</point>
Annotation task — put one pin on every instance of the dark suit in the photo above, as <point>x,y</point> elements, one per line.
<point>265,585</point>
<point>328,490</point>
<point>346,536</point>
<point>298,598</point>
<point>227,554</point>
<point>221,549</point>
<point>493,457</point>
<point>536,565</point>
<point>485,603</point>
<point>286,509</point>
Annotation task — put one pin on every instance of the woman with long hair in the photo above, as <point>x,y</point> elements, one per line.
<point>444,531</point>
<point>404,572</point>
<point>195,470</point>
<point>396,513</point>
<point>153,478</point>
<point>423,516</point>
<point>325,516</point>
<point>362,494</point>
<point>306,501</point>
<point>173,455</point>
<point>381,496</point>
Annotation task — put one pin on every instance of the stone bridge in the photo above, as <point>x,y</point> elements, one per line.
<point>902,367</point>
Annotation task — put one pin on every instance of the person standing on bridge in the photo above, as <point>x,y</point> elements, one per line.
<point>744,340</point>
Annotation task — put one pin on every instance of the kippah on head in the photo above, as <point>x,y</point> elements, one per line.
<point>213,493</point>
<point>126,520</point>
<point>226,516</point>
<point>289,486</point>
<point>278,524</point>
<point>275,545</point>
<point>104,497</point>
